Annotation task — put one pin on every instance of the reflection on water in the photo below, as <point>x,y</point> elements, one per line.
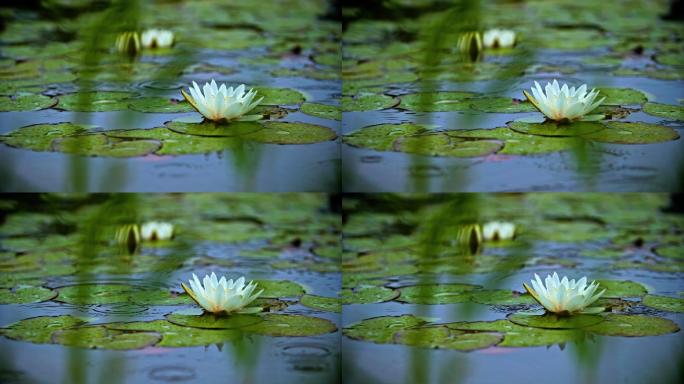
<point>63,247</point>
<point>409,244</point>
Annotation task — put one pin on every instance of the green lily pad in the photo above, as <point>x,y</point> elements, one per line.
<point>210,321</point>
<point>619,132</point>
<point>30,102</point>
<point>210,129</point>
<point>516,143</point>
<point>633,326</point>
<point>500,105</point>
<point>437,101</point>
<point>94,101</point>
<point>323,111</point>
<point>602,253</point>
<point>159,105</point>
<point>279,288</point>
<point>39,137</point>
<point>40,329</point>
<point>276,324</point>
<point>103,145</point>
<point>667,111</point>
<point>446,338</point>
<point>671,251</point>
<point>520,336</point>
<point>664,303</point>
<point>621,96</point>
<point>552,321</point>
<point>436,293</point>
<point>174,143</point>
<point>553,129</point>
<point>275,132</point>
<point>26,294</point>
<point>501,297</point>
<point>381,329</point>
<point>670,58</point>
<point>117,293</point>
<point>621,288</point>
<point>102,338</point>
<point>368,102</point>
<point>440,144</point>
<point>381,137</point>
<point>178,336</point>
<point>279,96</point>
<point>321,303</point>
<point>367,295</point>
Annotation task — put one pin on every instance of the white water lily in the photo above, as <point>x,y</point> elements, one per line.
<point>565,297</point>
<point>223,296</point>
<point>156,38</point>
<point>498,38</point>
<point>155,230</point>
<point>498,230</point>
<point>565,103</point>
<point>221,103</point>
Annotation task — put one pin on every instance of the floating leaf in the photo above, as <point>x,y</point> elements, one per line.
<point>436,293</point>
<point>619,132</point>
<point>667,111</point>
<point>40,329</point>
<point>178,336</point>
<point>664,303</point>
<point>279,96</point>
<point>516,143</point>
<point>368,102</point>
<point>279,288</point>
<point>39,137</point>
<point>103,145</point>
<point>440,144</point>
<point>211,129</point>
<point>553,321</point>
<point>367,295</point>
<point>211,321</point>
<point>381,329</point>
<point>159,105</point>
<point>500,105</point>
<point>276,324</point>
<point>437,101</point>
<point>381,137</point>
<point>94,101</point>
<point>621,96</point>
<point>501,297</point>
<point>550,128</point>
<point>321,110</point>
<point>275,132</point>
<point>521,336</point>
<point>321,303</point>
<point>446,338</point>
<point>102,338</point>
<point>30,102</point>
<point>26,294</point>
<point>633,326</point>
<point>621,288</point>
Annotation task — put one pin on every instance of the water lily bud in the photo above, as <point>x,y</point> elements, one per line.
<point>128,238</point>
<point>128,43</point>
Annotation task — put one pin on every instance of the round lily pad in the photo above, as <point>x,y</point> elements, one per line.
<point>26,294</point>
<point>367,295</point>
<point>279,96</point>
<point>117,293</point>
<point>619,132</point>
<point>39,137</point>
<point>103,145</point>
<point>29,102</point>
<point>178,336</point>
<point>321,303</point>
<point>210,321</point>
<point>670,58</point>
<point>664,303</point>
<point>516,143</point>
<point>174,143</point>
<point>275,132</point>
<point>368,102</point>
<point>94,101</point>
<point>501,297</point>
<point>276,324</point>
<point>321,110</point>
<point>671,251</point>
<point>552,321</point>
<point>500,105</point>
<point>633,326</point>
<point>159,105</point>
<point>381,329</point>
<point>521,336</point>
<point>666,111</point>
<point>381,137</point>
<point>210,129</point>
<point>436,293</point>
<point>621,288</point>
<point>577,128</point>
<point>437,101</point>
<point>621,96</point>
<point>40,329</point>
<point>443,337</point>
<point>279,288</point>
<point>102,338</point>
<point>440,144</point>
